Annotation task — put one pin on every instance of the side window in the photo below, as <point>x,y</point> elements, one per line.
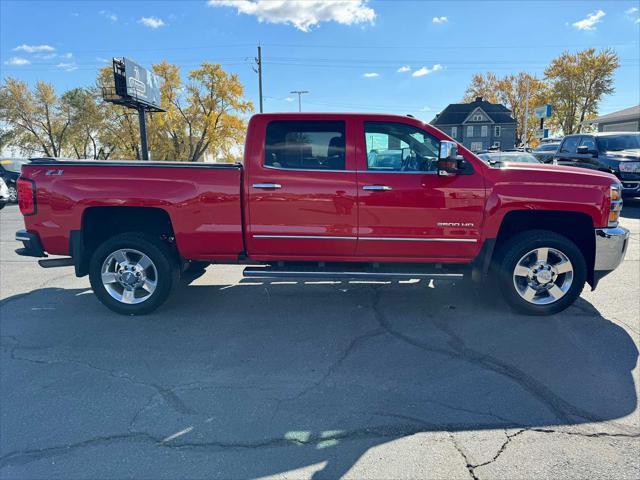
<point>484,131</point>
<point>454,132</point>
<point>307,145</point>
<point>569,145</point>
<point>398,147</point>
<point>470,131</point>
<point>588,142</point>
<point>497,131</point>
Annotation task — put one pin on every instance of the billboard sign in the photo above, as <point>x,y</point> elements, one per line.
<point>543,111</point>
<point>142,85</point>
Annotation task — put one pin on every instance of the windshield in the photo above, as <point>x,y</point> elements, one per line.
<point>547,147</point>
<point>618,142</point>
<point>13,164</point>
<point>501,157</point>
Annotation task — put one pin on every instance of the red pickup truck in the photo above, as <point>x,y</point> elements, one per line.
<point>327,195</point>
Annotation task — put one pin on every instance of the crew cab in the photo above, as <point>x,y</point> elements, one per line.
<point>327,195</point>
<point>614,152</point>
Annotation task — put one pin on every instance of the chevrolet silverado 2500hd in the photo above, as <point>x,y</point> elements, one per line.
<point>327,195</point>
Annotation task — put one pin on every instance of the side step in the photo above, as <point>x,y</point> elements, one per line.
<point>349,273</point>
<point>56,262</point>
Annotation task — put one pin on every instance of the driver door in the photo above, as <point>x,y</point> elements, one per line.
<point>406,211</point>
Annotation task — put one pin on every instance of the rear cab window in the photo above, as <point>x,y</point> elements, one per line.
<point>305,145</point>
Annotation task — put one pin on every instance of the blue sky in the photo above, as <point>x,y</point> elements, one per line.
<point>378,55</point>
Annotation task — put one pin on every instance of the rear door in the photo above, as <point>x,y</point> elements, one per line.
<point>407,212</point>
<point>301,189</point>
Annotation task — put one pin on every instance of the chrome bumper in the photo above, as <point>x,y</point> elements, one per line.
<point>611,246</point>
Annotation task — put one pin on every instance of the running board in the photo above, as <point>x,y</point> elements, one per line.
<point>56,262</point>
<point>280,272</point>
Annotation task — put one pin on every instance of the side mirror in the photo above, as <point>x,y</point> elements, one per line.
<point>448,160</point>
<point>585,150</point>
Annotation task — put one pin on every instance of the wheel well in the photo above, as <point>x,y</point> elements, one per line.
<point>101,223</point>
<point>577,227</point>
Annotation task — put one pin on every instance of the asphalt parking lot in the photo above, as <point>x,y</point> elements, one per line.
<point>245,379</point>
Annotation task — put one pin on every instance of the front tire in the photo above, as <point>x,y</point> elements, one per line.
<point>133,273</point>
<point>541,272</point>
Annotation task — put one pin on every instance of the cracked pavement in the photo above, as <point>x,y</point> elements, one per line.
<point>238,379</point>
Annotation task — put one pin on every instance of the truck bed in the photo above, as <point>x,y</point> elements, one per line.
<point>202,201</point>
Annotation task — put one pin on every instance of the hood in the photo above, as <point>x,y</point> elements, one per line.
<point>580,174</point>
<point>628,154</point>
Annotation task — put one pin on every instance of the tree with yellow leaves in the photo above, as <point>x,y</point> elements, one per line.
<point>202,116</point>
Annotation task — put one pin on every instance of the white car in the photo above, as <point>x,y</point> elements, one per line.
<point>4,194</point>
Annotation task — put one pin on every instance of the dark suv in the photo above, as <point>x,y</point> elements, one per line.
<point>614,152</point>
<point>9,172</point>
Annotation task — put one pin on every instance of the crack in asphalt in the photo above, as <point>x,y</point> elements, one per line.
<point>23,457</point>
<point>562,409</point>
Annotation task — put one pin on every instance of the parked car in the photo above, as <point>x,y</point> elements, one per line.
<point>507,156</point>
<point>9,172</point>
<point>310,202</point>
<point>546,151</point>
<point>4,194</point>
<point>614,152</point>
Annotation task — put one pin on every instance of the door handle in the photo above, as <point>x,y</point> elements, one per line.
<point>379,188</point>
<point>267,185</point>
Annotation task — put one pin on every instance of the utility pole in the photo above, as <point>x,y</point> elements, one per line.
<point>300,93</point>
<point>526,116</point>
<point>259,62</point>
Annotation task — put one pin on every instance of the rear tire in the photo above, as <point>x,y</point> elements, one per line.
<point>133,273</point>
<point>541,272</point>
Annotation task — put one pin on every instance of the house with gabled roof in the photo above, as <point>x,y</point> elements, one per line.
<point>478,125</point>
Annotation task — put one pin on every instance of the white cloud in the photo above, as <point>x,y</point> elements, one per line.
<point>67,67</point>
<point>102,60</point>
<point>17,61</point>
<point>371,75</point>
<point>425,109</point>
<point>403,69</point>
<point>107,14</point>
<point>289,99</point>
<point>426,70</point>
<point>589,22</point>
<point>67,55</point>
<point>303,14</point>
<point>632,13</point>
<point>439,20</point>
<point>33,48</point>
<point>152,22</point>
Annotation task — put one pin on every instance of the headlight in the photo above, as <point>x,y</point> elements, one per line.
<point>630,167</point>
<point>616,204</point>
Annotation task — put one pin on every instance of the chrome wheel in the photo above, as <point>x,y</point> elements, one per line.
<point>543,276</point>
<point>129,276</point>
<point>13,194</point>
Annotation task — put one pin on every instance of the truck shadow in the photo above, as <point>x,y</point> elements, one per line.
<point>268,377</point>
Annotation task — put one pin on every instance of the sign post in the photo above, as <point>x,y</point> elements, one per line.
<point>138,88</point>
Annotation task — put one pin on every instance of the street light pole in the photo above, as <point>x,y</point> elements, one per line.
<point>299,93</point>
